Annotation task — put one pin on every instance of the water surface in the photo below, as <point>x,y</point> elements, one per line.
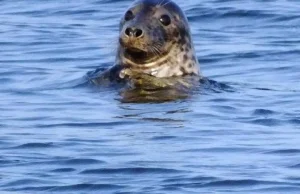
<point>61,135</point>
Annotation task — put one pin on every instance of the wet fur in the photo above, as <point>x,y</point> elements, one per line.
<point>169,49</point>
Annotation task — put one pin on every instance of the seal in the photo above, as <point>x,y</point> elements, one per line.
<point>155,39</point>
<point>155,58</point>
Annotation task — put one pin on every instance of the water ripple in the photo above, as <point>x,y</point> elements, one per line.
<point>129,171</point>
<point>72,188</point>
<point>238,132</point>
<point>35,146</point>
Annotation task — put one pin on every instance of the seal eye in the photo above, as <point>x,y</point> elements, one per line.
<point>165,20</point>
<point>128,15</point>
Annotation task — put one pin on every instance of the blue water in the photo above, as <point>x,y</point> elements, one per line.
<point>61,135</point>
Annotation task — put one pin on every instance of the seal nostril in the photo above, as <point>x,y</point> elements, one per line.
<point>132,32</point>
<point>138,33</point>
<point>128,31</point>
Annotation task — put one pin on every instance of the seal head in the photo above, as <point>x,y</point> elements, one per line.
<point>155,39</point>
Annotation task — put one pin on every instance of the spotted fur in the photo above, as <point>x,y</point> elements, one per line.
<point>176,56</point>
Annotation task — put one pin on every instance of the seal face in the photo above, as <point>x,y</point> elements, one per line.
<point>155,39</point>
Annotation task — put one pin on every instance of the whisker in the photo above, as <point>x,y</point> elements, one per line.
<point>161,2</point>
<point>160,53</point>
<point>156,51</point>
<point>153,51</point>
<point>166,3</point>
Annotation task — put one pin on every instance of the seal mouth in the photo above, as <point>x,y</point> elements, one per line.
<point>138,55</point>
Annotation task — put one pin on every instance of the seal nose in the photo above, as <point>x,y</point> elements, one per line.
<point>133,32</point>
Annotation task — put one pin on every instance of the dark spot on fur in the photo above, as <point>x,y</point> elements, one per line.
<point>185,58</point>
<point>182,32</point>
<point>182,40</point>
<point>175,33</point>
<point>190,65</point>
<point>165,35</point>
<point>182,70</point>
<point>182,49</point>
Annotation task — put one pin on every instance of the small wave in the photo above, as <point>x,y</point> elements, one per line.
<point>84,125</point>
<point>62,170</point>
<point>166,137</point>
<point>21,182</point>
<point>2,162</point>
<point>278,189</point>
<point>132,171</point>
<point>61,161</point>
<point>35,145</point>
<point>206,13</point>
<point>247,182</point>
<point>40,188</point>
<point>75,12</point>
<point>214,86</point>
<point>80,161</point>
<point>295,166</point>
<point>216,150</point>
<point>285,151</point>
<point>202,179</point>
<point>263,112</point>
<point>77,140</point>
<point>264,89</point>
<point>295,121</point>
<point>222,183</point>
<point>74,188</point>
<point>245,13</point>
<point>164,120</point>
<point>266,122</point>
<point>286,18</point>
<point>89,187</point>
